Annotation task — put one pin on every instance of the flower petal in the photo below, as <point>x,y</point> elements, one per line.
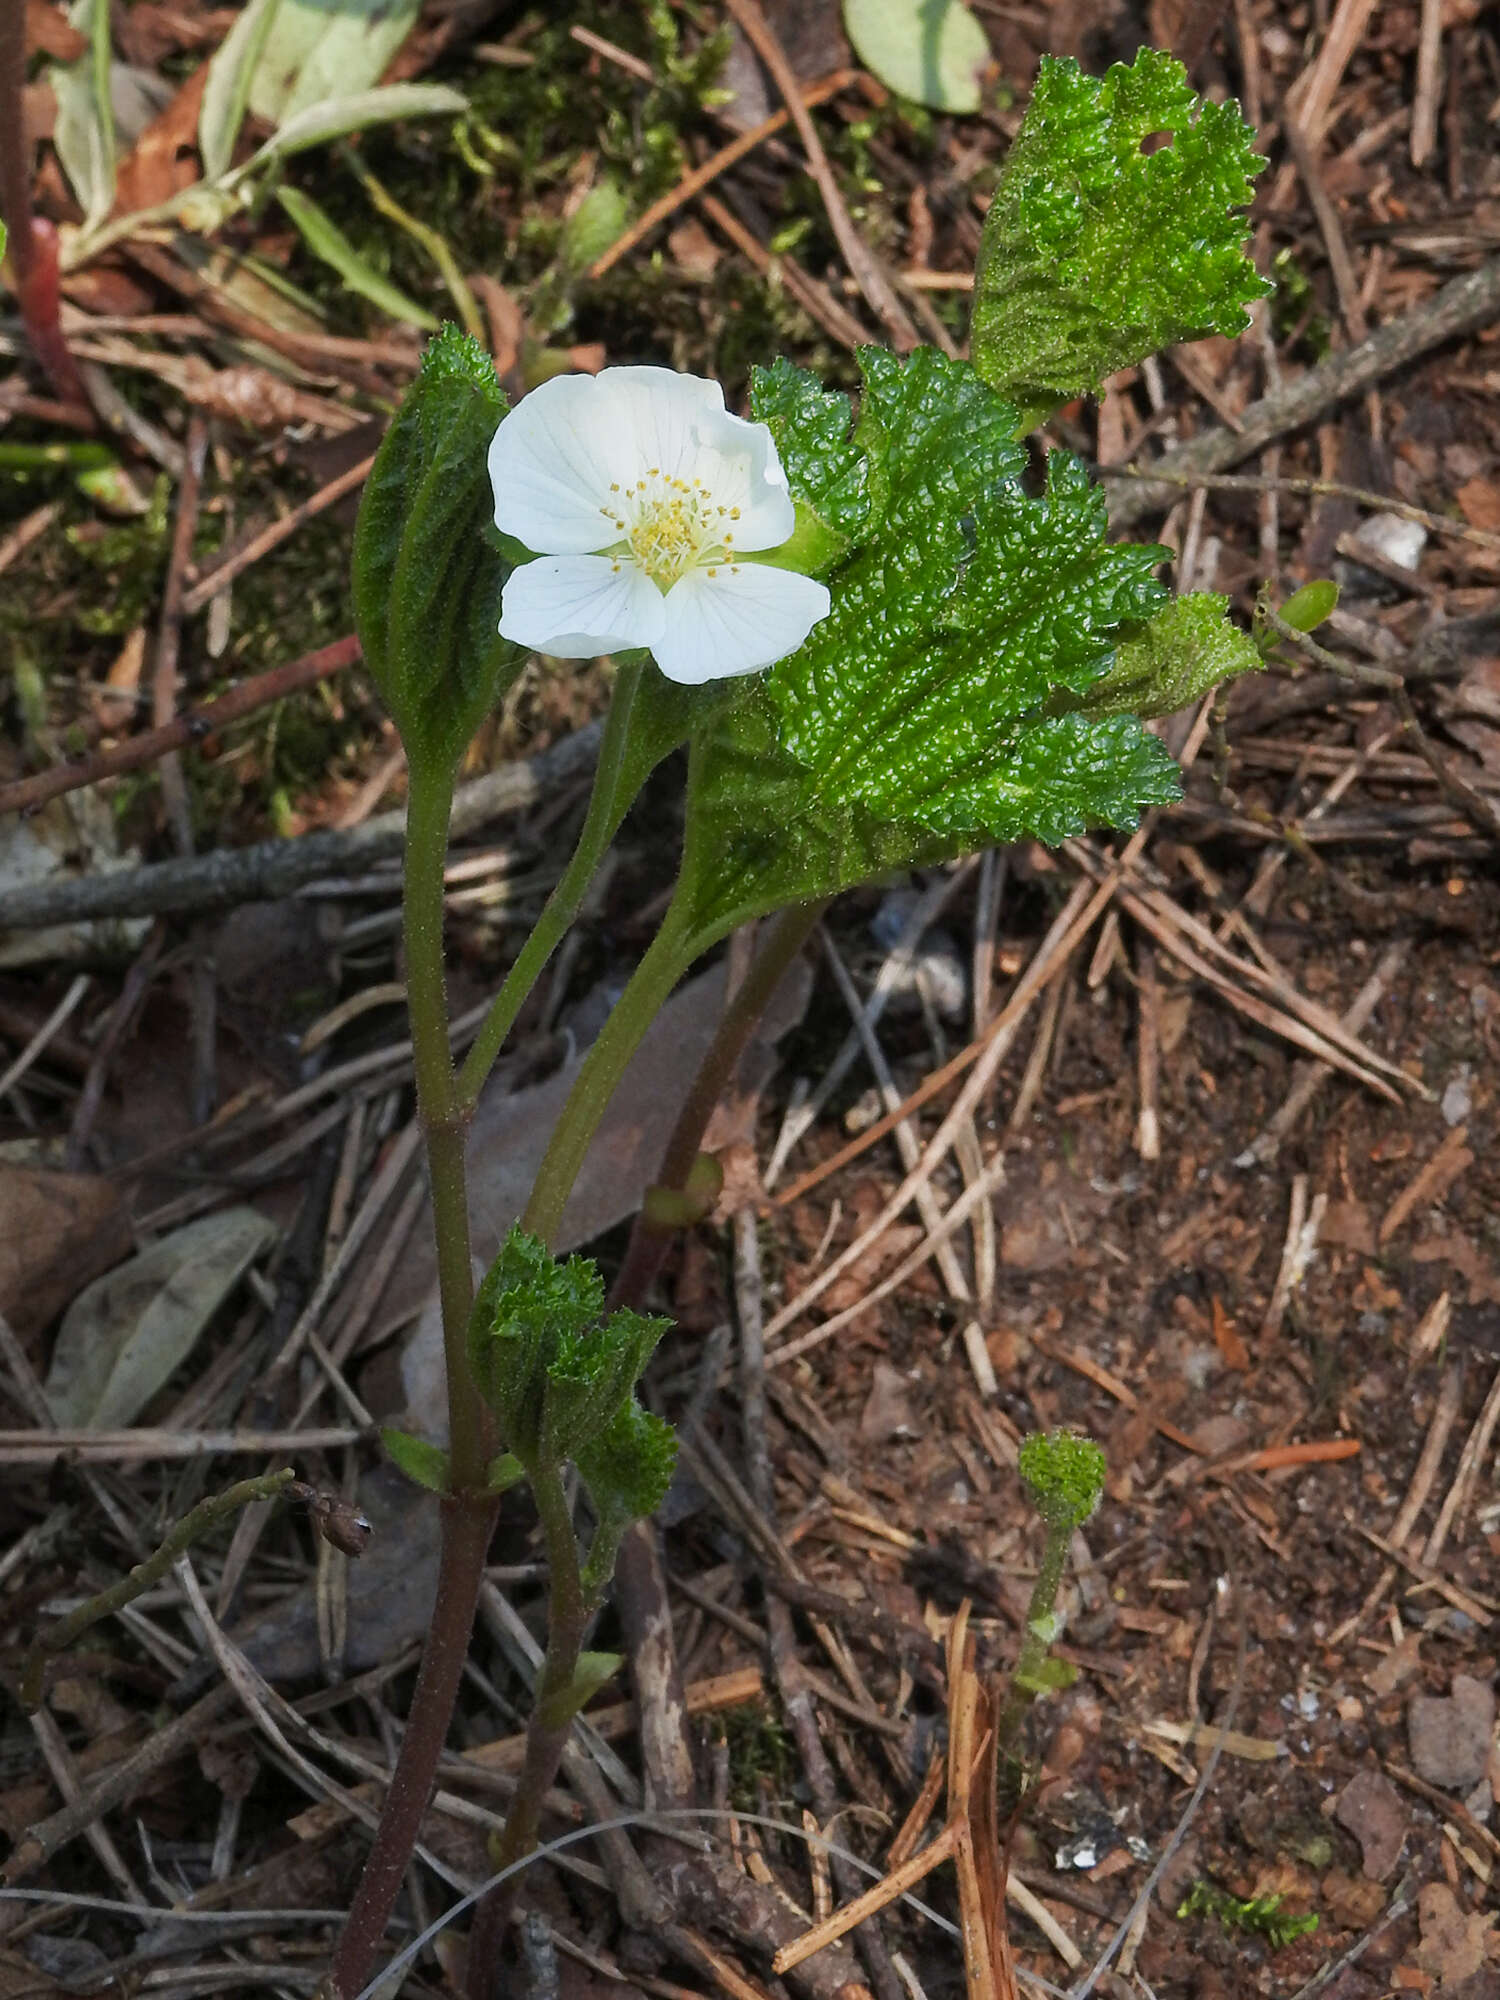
<point>738,463</point>
<point>735,621</point>
<point>657,415</point>
<point>551,464</point>
<point>576,607</point>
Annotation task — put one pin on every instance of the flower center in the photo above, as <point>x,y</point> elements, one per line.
<point>669,526</point>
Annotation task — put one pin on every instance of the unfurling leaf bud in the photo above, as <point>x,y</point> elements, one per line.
<point>1065,1474</point>
<point>427,575</point>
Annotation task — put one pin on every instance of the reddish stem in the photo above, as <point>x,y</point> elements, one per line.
<point>32,241</point>
<point>467,1526</point>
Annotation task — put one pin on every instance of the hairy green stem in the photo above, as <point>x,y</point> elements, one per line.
<point>670,954</point>
<point>469,1512</point>
<point>608,804</point>
<point>182,1536</point>
<point>443,1121</point>
<point>1026,1680</point>
<point>547,1733</point>
<point>785,936</point>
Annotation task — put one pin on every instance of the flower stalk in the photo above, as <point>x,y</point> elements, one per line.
<point>608,804</point>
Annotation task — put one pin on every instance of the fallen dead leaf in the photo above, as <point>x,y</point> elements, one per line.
<point>1467,1259</point>
<point>49,33</point>
<point>115,704</point>
<point>159,164</point>
<point>1400,1665</point>
<point>123,1336</point>
<point>887,1413</point>
<point>510,1133</point>
<point>1375,1813</point>
<point>693,249</point>
<point>507,322</point>
<point>1479,503</point>
<point>1455,1942</point>
<point>1353,1902</point>
<point>61,1231</point>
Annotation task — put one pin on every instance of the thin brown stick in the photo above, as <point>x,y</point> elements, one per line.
<point>1310,1077</point>
<point>1424,108</point>
<point>121,1781</point>
<point>1057,945</point>
<point>1473,1456</point>
<point>1334,489</point>
<point>1148,1054</point>
<point>135,1447</point>
<point>26,531</point>
<point>716,164</point>
<point>1346,284</point>
<point>1311,97</point>
<point>188,726</point>
<point>271,537</point>
<point>274,868</point>
<point>791,1682</point>
<point>814,298</point>
<point>1461,307</point>
<point>867,270</point>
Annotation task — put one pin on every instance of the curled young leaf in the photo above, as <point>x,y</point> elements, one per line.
<point>427,579</point>
<point>1066,1476</point>
<point>1187,648</point>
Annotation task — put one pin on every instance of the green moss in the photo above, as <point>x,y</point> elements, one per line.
<point>762,1763</point>
<point>1260,1915</point>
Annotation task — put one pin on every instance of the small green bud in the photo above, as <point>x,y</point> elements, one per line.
<point>592,1672</point>
<point>1306,609</point>
<point>1065,1474</point>
<point>598,221</point>
<point>423,1463</point>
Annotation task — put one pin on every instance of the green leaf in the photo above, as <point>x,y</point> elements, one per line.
<point>933,51</point>
<point>84,127</point>
<point>914,723</point>
<point>628,1466</point>
<point>1306,609</point>
<point>590,1373</point>
<point>526,1303</point>
<point>336,117</point>
<point>1187,648</point>
<point>424,1464</point>
<point>427,580</point>
<point>1096,253</point>
<point>326,240</point>
<point>226,89</point>
<point>592,1672</point>
<point>596,223</point>
<point>554,1375</point>
<point>828,470</point>
<point>321,49</point>
<point>503,1471</point>
<point>1066,1476</point>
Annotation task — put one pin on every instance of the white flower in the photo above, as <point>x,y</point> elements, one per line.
<point>640,492</point>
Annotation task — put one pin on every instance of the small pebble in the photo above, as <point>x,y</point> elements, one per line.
<point>1458,1099</point>
<point>1398,541</point>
